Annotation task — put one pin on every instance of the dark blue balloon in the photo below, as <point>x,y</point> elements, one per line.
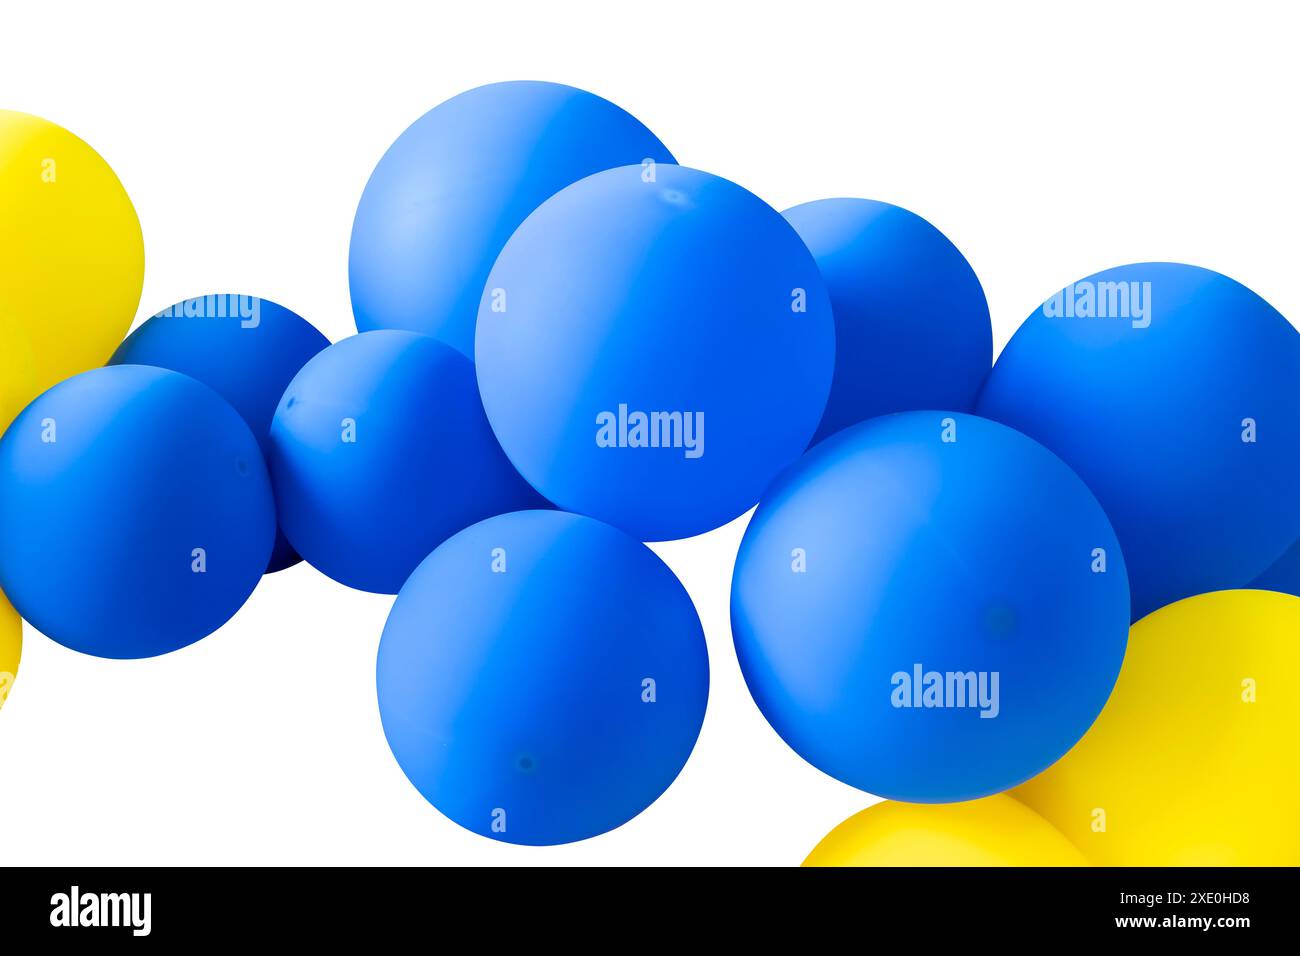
<point>449,192</point>
<point>136,514</point>
<point>922,544</point>
<point>542,678</point>
<point>380,451</point>
<point>1283,575</point>
<point>652,351</point>
<point>1171,390</point>
<point>245,348</point>
<point>912,326</point>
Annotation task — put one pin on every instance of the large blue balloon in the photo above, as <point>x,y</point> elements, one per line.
<point>1171,390</point>
<point>542,678</point>
<point>930,607</point>
<point>623,317</point>
<point>135,512</point>
<point>447,195</point>
<point>244,348</point>
<point>912,326</point>
<point>380,451</point>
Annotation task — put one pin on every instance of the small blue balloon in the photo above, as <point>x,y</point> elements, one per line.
<point>244,348</point>
<point>136,514</point>
<point>1171,390</point>
<point>930,607</point>
<point>653,350</point>
<point>449,192</point>
<point>379,452</point>
<point>912,326</point>
<point>542,678</point>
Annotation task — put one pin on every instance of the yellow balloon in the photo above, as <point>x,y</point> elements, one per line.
<point>1195,759</point>
<point>71,258</point>
<point>17,371</point>
<point>994,831</point>
<point>11,647</point>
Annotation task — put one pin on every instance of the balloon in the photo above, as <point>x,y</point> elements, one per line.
<point>447,195</point>
<point>542,678</point>
<point>1283,574</point>
<point>912,326</point>
<point>11,647</point>
<point>244,348</point>
<point>17,371</point>
<point>1171,390</point>
<point>71,256</point>
<point>1193,762</point>
<point>929,607</point>
<point>135,512</point>
<point>380,451</point>
<point>995,831</point>
<point>622,317</point>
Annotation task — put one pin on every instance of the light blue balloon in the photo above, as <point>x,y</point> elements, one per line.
<point>449,192</point>
<point>244,348</point>
<point>542,678</point>
<point>379,452</point>
<point>920,544</point>
<point>912,326</point>
<point>1178,405</point>
<point>136,514</point>
<point>652,350</point>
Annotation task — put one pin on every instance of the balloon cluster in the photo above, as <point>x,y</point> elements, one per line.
<point>569,345</point>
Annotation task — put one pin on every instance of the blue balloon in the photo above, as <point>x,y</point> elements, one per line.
<point>244,348</point>
<point>1282,575</point>
<point>380,452</point>
<point>136,514</point>
<point>447,195</point>
<point>622,317</point>
<point>1171,390</point>
<point>930,607</point>
<point>542,678</point>
<point>912,326</point>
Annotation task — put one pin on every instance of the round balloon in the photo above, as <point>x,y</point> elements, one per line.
<point>71,254</point>
<point>11,647</point>
<point>245,348</point>
<point>628,313</point>
<point>1171,390</point>
<point>542,678</point>
<point>447,195</point>
<point>930,607</point>
<point>379,452</point>
<point>995,831</point>
<point>912,326</point>
<point>135,512</point>
<point>1193,762</point>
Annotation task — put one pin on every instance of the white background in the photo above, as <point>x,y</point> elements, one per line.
<point>1048,141</point>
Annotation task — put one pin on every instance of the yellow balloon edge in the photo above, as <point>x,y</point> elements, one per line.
<point>109,232</point>
<point>992,831</point>
<point>11,647</point>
